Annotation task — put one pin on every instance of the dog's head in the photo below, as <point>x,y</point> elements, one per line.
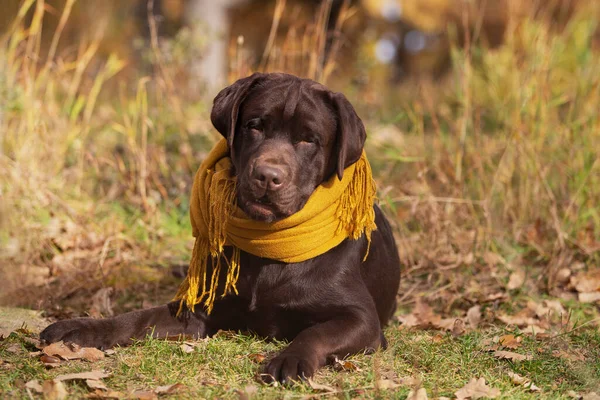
<point>286,136</point>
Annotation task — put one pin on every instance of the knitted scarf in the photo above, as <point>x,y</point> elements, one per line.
<point>336,210</point>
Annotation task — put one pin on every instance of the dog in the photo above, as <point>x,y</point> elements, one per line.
<point>286,136</point>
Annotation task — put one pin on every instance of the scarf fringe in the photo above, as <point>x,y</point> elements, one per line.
<point>355,213</point>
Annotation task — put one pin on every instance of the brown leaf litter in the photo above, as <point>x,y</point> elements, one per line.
<point>72,351</point>
<point>476,389</point>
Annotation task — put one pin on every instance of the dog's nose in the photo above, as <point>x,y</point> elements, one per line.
<point>268,177</point>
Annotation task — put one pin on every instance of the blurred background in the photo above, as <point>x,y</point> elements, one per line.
<point>482,119</point>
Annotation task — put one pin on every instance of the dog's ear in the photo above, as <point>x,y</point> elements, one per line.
<point>351,134</point>
<point>226,105</point>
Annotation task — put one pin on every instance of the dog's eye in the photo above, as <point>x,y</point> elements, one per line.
<point>308,141</point>
<point>255,123</point>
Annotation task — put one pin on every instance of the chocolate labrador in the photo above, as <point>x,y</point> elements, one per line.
<point>286,136</point>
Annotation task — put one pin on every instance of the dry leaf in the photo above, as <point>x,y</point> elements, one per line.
<point>437,338</point>
<point>575,356</point>
<point>423,317</point>
<point>94,375</point>
<point>522,381</point>
<point>586,396</point>
<point>474,316</point>
<point>187,348</point>
<point>345,365</point>
<point>320,387</point>
<point>493,259</point>
<point>169,389</point>
<point>14,348</point>
<point>516,280</point>
<point>54,390</point>
<point>106,394</point>
<point>420,394</point>
<point>95,384</point>
<point>73,352</point>
<point>50,361</point>
<point>510,341</point>
<point>248,392</point>
<point>521,319</point>
<point>586,281</point>
<point>34,385</point>
<point>589,297</point>
<point>476,389</point>
<point>386,384</point>
<point>546,308</point>
<point>257,357</point>
<point>533,330</point>
<point>590,396</point>
<point>458,328</point>
<point>511,355</point>
<point>144,395</point>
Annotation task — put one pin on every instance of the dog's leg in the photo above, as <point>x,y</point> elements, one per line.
<point>120,330</point>
<point>313,347</point>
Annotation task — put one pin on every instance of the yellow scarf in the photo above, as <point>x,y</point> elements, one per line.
<point>336,210</point>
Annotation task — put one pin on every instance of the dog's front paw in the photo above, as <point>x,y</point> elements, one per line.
<point>288,367</point>
<point>86,332</point>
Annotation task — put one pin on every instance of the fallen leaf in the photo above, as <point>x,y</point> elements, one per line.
<point>73,352</point>
<point>106,394</point>
<point>169,389</point>
<point>95,384</point>
<point>437,338</point>
<point>521,319</point>
<point>248,392</point>
<point>589,297</point>
<point>493,259</point>
<point>94,375</point>
<point>547,308</point>
<point>34,385</point>
<point>474,316</point>
<point>574,356</point>
<point>344,365</point>
<point>586,281</point>
<point>54,390</point>
<point>144,395</point>
<point>563,275</point>
<point>458,328</point>
<point>14,348</point>
<point>511,355</point>
<point>50,361</point>
<point>423,317</point>
<point>420,394</point>
<point>408,381</point>
<point>446,324</point>
<point>386,384</point>
<point>590,396</point>
<point>257,357</point>
<point>187,348</point>
<point>476,389</point>
<point>510,341</point>
<point>522,381</point>
<point>320,387</point>
<point>516,279</point>
<point>533,330</point>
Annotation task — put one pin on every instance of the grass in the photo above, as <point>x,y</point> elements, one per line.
<point>229,363</point>
<point>492,171</point>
